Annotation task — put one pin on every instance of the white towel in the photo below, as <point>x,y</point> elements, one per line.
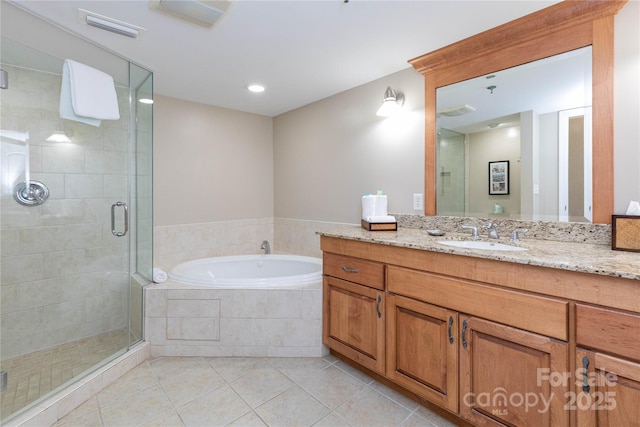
<point>87,95</point>
<point>380,218</point>
<point>66,107</point>
<point>159,275</point>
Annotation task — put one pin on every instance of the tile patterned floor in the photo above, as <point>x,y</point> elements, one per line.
<point>245,392</point>
<point>33,375</point>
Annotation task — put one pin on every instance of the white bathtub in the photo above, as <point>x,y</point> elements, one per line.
<point>249,305</point>
<point>249,271</point>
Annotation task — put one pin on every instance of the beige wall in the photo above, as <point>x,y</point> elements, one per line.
<point>210,164</point>
<point>327,154</point>
<point>330,153</point>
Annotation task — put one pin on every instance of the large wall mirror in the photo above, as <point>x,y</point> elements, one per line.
<point>556,156</point>
<point>536,117</point>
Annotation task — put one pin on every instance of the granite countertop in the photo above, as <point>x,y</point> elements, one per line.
<point>582,257</point>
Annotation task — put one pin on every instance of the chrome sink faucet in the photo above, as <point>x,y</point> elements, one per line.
<point>491,229</point>
<point>515,236</point>
<point>474,230</point>
<point>265,247</point>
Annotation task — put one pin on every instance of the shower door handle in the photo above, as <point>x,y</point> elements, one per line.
<point>113,219</point>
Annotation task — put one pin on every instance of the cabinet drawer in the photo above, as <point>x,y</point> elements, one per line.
<point>367,273</point>
<point>608,330</point>
<point>546,316</point>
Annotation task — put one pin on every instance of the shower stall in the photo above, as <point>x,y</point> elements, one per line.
<point>75,215</point>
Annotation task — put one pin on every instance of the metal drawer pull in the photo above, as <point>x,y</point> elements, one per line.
<point>449,329</point>
<point>378,306</point>
<point>464,331</point>
<point>113,219</point>
<point>585,375</point>
<point>349,270</point>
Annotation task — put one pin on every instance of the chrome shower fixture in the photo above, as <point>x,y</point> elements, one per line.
<point>32,193</point>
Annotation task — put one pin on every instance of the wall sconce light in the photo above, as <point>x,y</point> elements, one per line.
<point>391,104</point>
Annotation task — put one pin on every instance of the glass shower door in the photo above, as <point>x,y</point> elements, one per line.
<point>451,178</point>
<point>65,262</point>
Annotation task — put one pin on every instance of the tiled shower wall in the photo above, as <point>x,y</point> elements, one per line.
<point>62,270</point>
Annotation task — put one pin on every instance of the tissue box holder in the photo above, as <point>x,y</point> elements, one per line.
<point>379,226</point>
<point>625,233</point>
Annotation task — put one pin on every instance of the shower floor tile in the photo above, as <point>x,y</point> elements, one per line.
<point>248,392</point>
<point>33,375</point>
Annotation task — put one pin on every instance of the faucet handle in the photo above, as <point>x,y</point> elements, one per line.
<point>474,230</point>
<point>516,234</point>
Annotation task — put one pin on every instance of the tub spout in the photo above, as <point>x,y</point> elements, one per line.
<point>265,247</point>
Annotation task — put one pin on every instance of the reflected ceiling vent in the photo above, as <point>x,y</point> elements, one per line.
<point>459,110</point>
<point>92,19</point>
<point>200,12</point>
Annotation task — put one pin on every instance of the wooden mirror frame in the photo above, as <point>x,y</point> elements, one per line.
<point>565,26</point>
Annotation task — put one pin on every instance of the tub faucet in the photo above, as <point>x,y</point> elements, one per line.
<point>491,229</point>
<point>265,247</point>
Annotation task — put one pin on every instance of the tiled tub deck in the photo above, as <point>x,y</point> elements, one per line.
<point>191,320</point>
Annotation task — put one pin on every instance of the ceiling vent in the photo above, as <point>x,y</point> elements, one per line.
<point>102,22</point>
<point>200,12</point>
<point>458,110</point>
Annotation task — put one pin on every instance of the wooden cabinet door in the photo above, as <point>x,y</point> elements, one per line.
<point>509,376</point>
<point>353,323</point>
<point>608,394</point>
<point>422,349</point>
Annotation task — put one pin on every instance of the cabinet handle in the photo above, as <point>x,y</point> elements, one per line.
<point>449,329</point>
<point>349,270</point>
<point>585,376</point>
<point>378,306</point>
<point>464,331</point>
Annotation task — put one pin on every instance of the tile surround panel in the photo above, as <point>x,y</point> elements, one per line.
<point>183,321</point>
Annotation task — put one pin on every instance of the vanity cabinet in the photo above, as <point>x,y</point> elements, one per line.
<point>353,304</point>
<point>436,340</point>
<point>607,385</point>
<point>504,376</point>
<point>422,349</point>
<point>495,343</point>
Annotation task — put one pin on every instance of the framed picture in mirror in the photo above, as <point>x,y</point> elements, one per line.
<point>499,177</point>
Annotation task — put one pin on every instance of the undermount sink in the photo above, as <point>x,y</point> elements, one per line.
<point>476,244</point>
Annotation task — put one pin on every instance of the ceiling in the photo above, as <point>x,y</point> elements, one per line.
<point>301,51</point>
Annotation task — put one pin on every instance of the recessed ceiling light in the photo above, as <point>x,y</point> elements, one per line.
<point>145,101</point>
<point>256,88</point>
